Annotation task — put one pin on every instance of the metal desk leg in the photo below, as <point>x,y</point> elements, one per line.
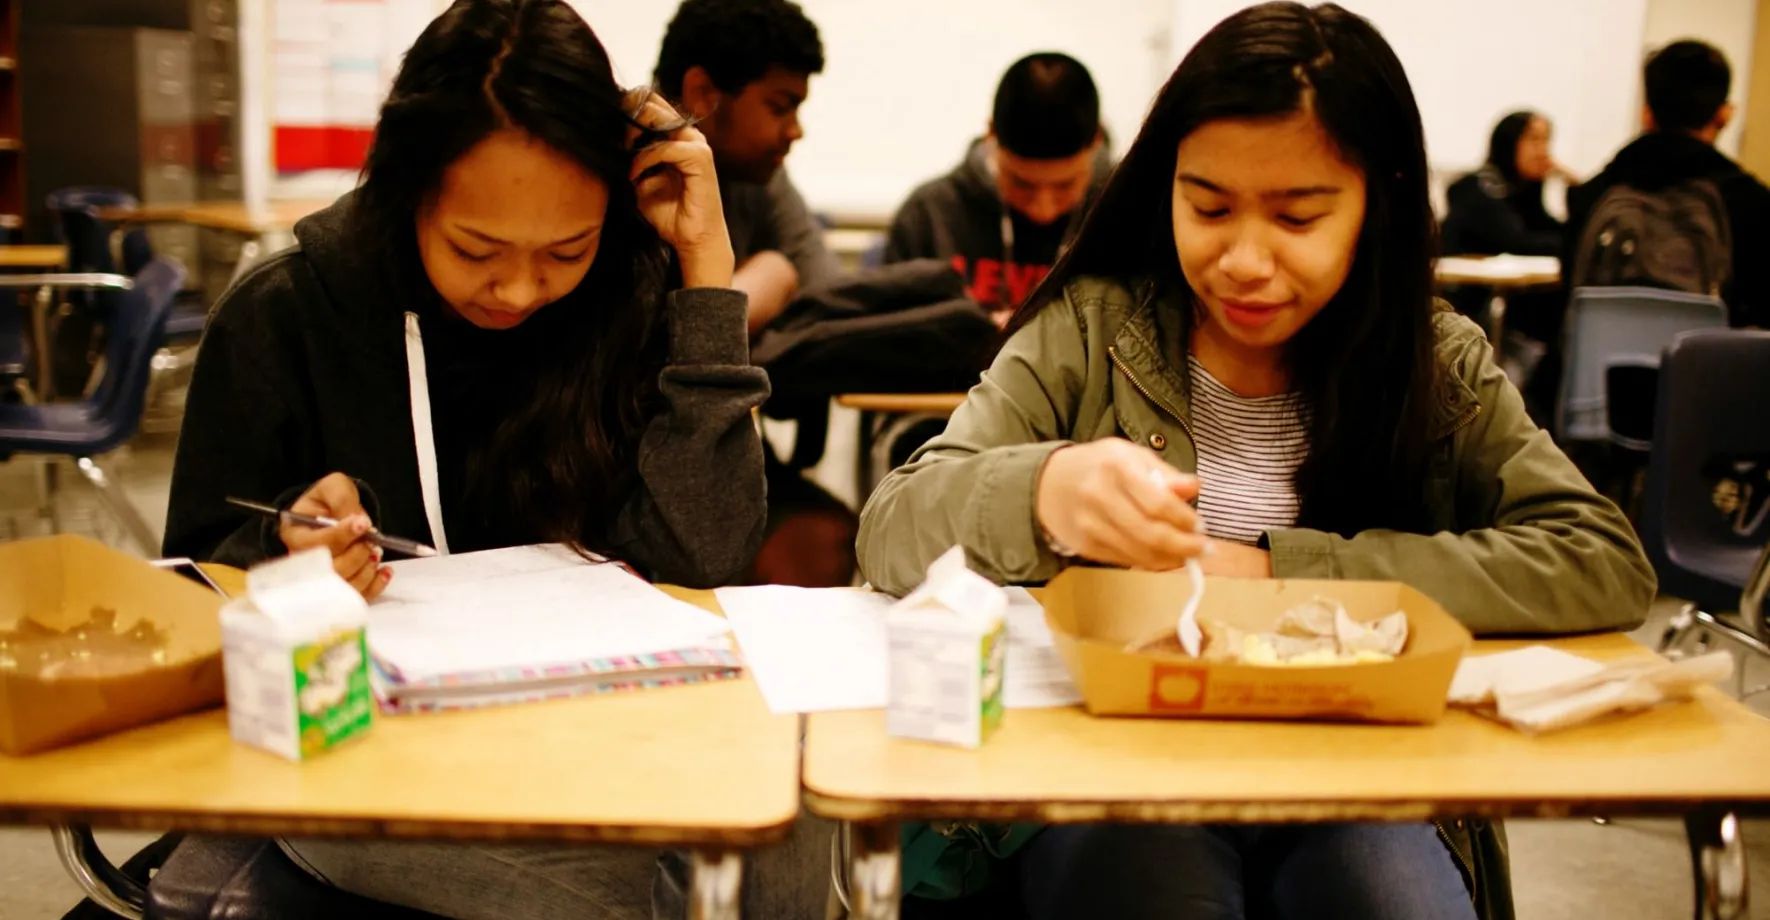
<point>41,306</point>
<point>716,879</point>
<point>97,878</point>
<point>1496,322</point>
<point>1717,860</point>
<point>875,872</point>
<point>863,457</point>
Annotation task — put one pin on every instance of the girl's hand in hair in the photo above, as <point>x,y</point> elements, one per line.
<point>1116,502</point>
<point>679,193</point>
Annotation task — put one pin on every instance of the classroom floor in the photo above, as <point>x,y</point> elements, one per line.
<point>1562,870</point>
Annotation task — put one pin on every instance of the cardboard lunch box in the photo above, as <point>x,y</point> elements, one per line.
<point>59,582</point>
<point>1095,612</point>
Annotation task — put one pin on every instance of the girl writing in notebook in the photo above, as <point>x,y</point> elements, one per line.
<point>519,329</point>
<point>1240,361</point>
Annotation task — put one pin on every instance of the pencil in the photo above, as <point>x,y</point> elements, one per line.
<point>397,544</point>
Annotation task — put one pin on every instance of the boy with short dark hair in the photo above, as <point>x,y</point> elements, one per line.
<point>744,67</point>
<point>1006,212</point>
<point>1686,87</point>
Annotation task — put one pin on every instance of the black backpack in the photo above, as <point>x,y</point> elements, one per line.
<point>1676,238</point>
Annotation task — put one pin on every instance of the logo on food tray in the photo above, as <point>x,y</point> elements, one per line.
<point>1177,688</point>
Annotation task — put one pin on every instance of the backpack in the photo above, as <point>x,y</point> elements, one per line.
<point>1676,238</point>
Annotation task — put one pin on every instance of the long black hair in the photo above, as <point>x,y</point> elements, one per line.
<point>1365,364</point>
<point>1502,145</point>
<point>559,461</point>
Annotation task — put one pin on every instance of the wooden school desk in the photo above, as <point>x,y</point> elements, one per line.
<point>37,257</point>
<point>1704,759</point>
<point>705,766</point>
<point>1472,270</point>
<point>871,407</point>
<point>231,216</point>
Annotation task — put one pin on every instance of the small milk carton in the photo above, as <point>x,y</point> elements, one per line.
<point>293,655</point>
<point>948,647</point>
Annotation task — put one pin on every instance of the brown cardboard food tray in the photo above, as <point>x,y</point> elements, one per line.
<point>59,581</point>
<point>1095,612</point>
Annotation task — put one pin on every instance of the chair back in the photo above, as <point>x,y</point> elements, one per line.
<point>137,331</point>
<point>1619,326</point>
<point>1706,508</point>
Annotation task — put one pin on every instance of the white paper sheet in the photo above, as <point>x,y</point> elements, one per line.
<point>523,607</point>
<point>823,650</point>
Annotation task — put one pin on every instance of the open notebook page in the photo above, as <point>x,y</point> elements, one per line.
<point>523,607</point>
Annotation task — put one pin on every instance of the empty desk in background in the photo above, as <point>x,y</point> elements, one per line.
<point>704,766</point>
<point>1704,759</point>
<point>40,258</point>
<point>1503,275</point>
<point>873,405</point>
<point>231,216</point>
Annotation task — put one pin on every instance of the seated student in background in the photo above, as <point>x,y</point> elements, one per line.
<point>744,66</point>
<point>483,346</point>
<point>1246,320</point>
<point>1499,207</point>
<point>1003,214</point>
<point>1723,212</point>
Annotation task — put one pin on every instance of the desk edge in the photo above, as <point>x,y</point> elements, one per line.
<point>271,824</point>
<point>1258,812</point>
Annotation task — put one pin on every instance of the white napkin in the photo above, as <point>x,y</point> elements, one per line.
<point>1539,689</point>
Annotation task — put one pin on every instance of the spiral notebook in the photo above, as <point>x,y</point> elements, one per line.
<point>529,623</point>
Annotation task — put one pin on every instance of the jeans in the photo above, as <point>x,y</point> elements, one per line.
<point>1283,872</point>
<point>1211,872</point>
<point>789,881</point>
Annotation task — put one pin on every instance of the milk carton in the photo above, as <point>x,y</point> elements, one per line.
<point>948,648</point>
<point>294,658</point>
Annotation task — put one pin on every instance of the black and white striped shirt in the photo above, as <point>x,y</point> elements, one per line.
<point>1248,453</point>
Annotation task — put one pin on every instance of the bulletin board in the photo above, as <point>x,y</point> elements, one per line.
<point>332,64</point>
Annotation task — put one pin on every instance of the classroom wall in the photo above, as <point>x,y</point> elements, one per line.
<point>1469,64</point>
<point>909,83</point>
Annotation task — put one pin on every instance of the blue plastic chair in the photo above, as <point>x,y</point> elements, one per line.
<point>91,247</point>
<point>110,416</point>
<point>1619,327</point>
<point>1709,413</point>
<point>88,236</point>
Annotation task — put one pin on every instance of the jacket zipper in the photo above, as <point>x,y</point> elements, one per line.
<point>1112,352</point>
<point>1455,854</point>
<point>1464,420</point>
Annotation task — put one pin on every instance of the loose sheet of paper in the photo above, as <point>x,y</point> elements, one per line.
<point>522,607</point>
<point>825,649</point>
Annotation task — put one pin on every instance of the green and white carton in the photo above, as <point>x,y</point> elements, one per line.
<point>294,658</point>
<point>948,651</point>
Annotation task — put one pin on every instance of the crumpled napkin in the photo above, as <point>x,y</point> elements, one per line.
<point>1540,689</point>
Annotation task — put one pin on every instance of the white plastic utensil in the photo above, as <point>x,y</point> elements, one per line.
<point>1191,636</point>
<point>1187,629</point>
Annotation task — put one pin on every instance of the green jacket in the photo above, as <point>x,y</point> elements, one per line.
<point>1519,541</point>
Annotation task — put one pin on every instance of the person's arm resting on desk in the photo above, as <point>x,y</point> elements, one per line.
<point>698,510</point>
<point>771,282</point>
<point>1536,550</point>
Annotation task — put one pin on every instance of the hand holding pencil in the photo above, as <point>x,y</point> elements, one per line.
<point>355,556</point>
